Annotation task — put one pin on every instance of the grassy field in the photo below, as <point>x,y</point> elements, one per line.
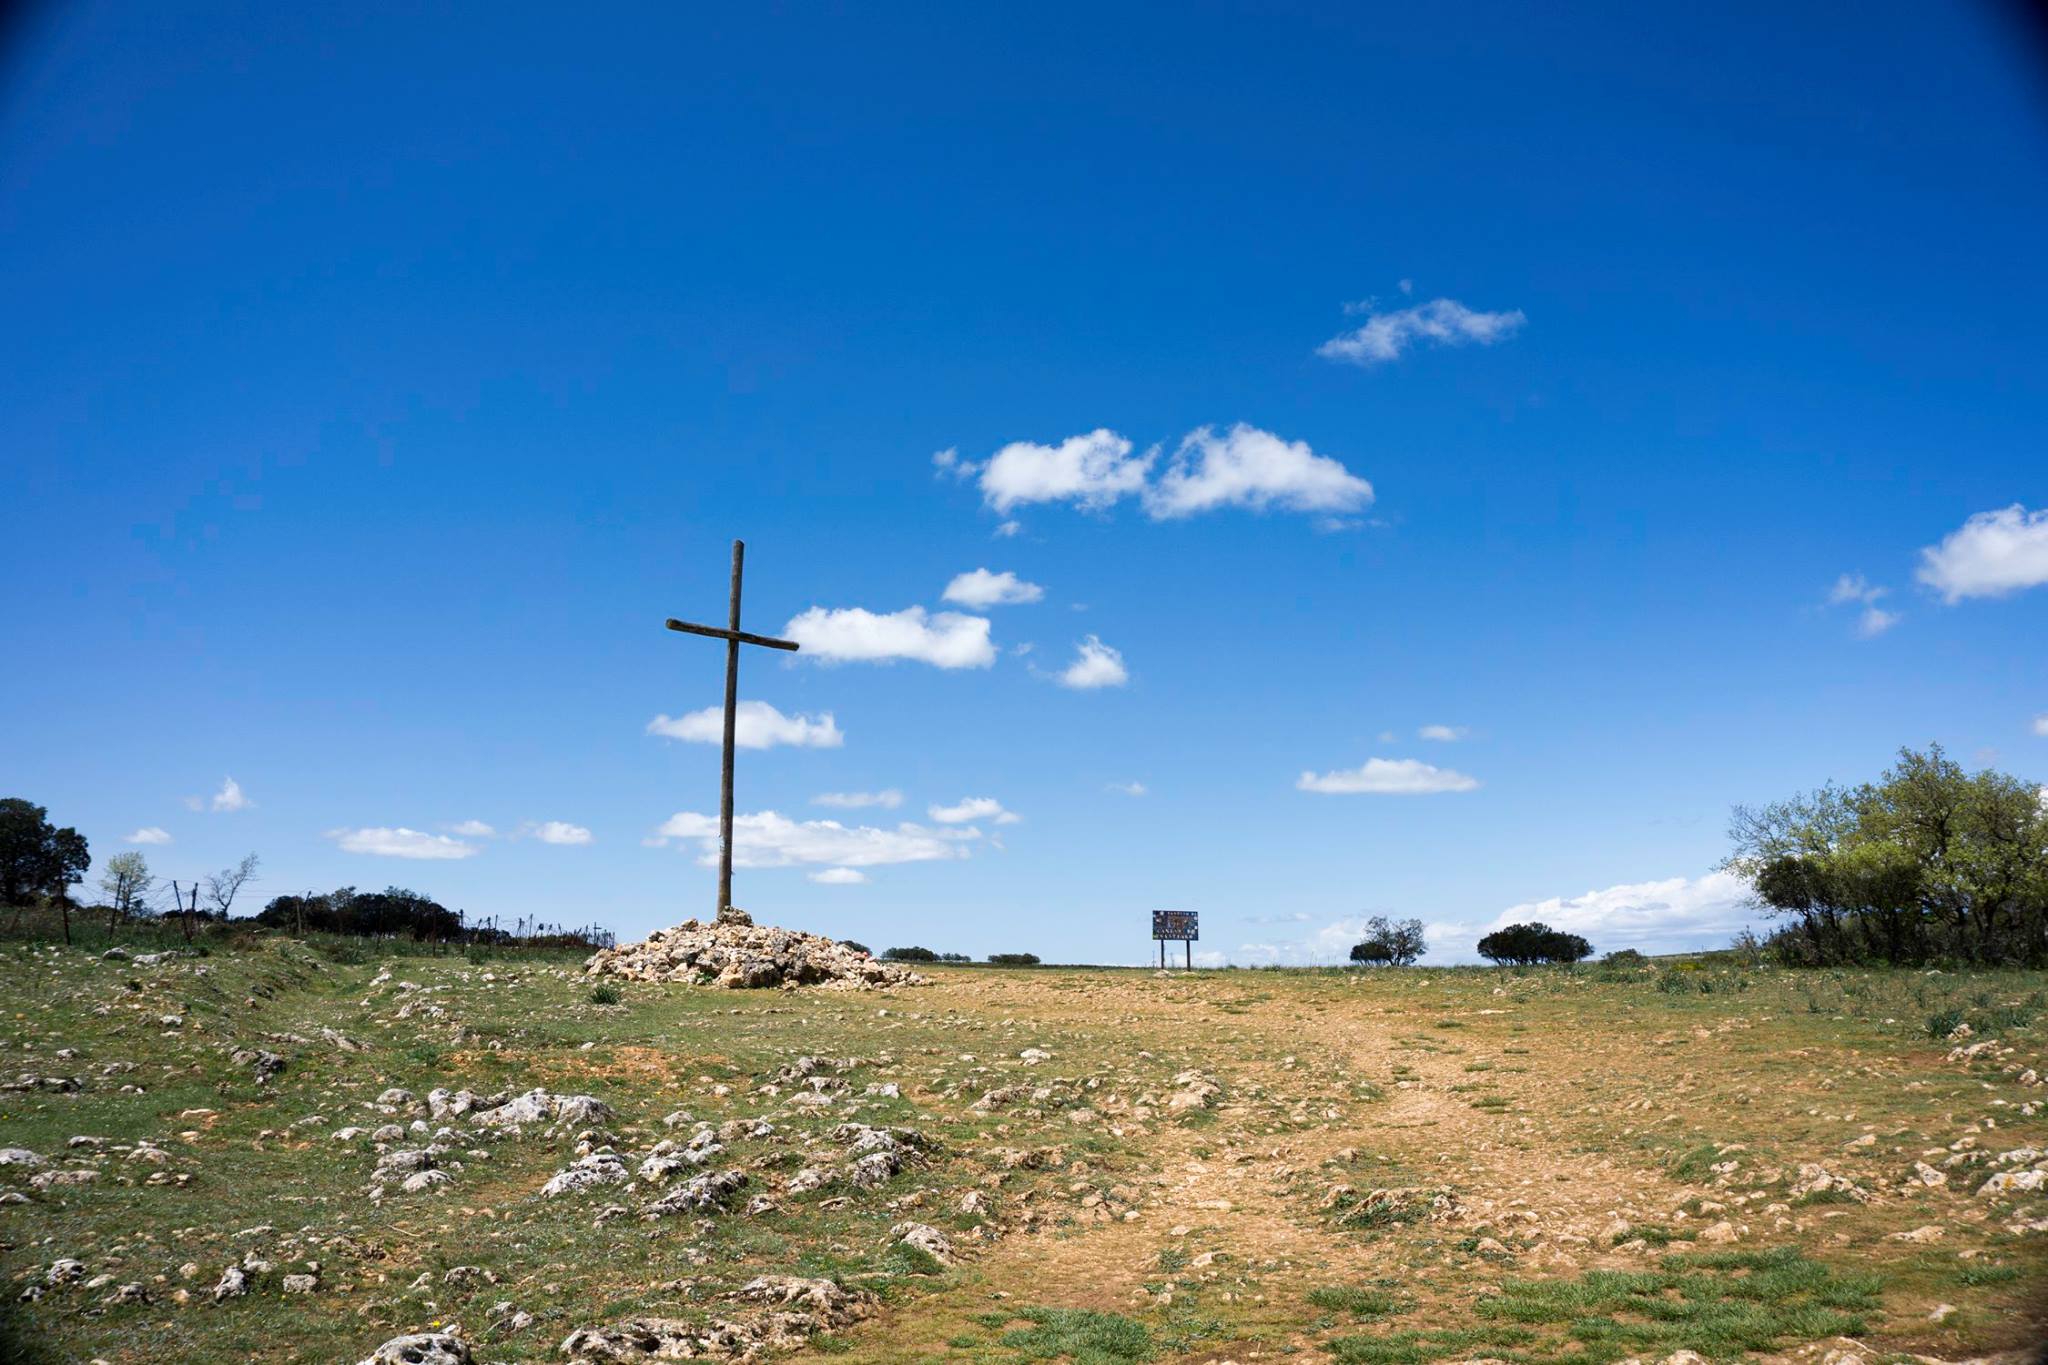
<point>1591,1164</point>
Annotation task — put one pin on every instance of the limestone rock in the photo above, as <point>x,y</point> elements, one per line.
<point>738,954</point>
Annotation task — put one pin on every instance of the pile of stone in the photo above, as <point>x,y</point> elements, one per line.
<point>734,952</point>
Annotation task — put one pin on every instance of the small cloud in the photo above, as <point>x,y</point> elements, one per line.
<point>400,842</point>
<point>150,834</point>
<point>756,725</point>
<point>945,640</point>
<point>1247,467</point>
<point>766,839</point>
<point>1443,734</point>
<point>1441,322</point>
<point>1388,736</point>
<point>1007,529</point>
<point>1092,471</point>
<point>889,799</point>
<point>1990,555</point>
<point>1095,665</point>
<point>838,876</point>
<point>1387,777</point>
<point>559,832</point>
<point>473,829</point>
<point>1126,788</point>
<point>973,808</point>
<point>228,798</point>
<point>1854,587</point>
<point>980,588</point>
<point>2040,728</point>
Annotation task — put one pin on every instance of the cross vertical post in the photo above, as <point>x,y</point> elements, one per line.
<point>734,637</point>
<point>732,703</point>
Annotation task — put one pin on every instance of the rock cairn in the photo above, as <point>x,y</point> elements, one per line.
<point>734,952</point>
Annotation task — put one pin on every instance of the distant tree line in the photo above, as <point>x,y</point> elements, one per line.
<point>396,912</point>
<point>1927,863</point>
<point>927,955</point>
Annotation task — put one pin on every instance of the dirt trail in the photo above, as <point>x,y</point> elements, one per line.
<point>1250,1196</point>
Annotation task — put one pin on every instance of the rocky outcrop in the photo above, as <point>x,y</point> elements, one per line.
<point>738,954</point>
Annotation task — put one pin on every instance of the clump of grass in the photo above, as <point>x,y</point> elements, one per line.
<point>1362,1303</point>
<point>1695,1163</point>
<point>1942,1023</point>
<point>605,993</point>
<point>1088,1337</point>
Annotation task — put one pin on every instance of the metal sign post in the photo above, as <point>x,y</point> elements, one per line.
<point>1183,926</point>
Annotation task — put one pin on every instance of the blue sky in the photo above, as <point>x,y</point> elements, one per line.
<point>1653,402</point>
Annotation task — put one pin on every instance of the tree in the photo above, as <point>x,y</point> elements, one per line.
<point>126,881</point>
<point>909,955</point>
<point>1928,861</point>
<point>1388,942</point>
<point>1523,945</point>
<point>38,858</point>
<point>1013,959</point>
<point>223,886</point>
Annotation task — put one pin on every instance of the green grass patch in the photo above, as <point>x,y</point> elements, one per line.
<point>1085,1336</point>
<point>1360,1303</point>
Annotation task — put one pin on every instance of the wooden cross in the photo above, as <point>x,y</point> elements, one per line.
<point>734,637</point>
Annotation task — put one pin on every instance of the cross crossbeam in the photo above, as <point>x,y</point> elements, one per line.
<point>734,637</point>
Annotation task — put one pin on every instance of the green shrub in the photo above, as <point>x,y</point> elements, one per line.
<point>1942,1023</point>
<point>605,993</point>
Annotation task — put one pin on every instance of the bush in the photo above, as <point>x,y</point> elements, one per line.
<point>1013,959</point>
<point>1625,957</point>
<point>605,993</point>
<point>857,947</point>
<point>1522,945</point>
<point>909,955</point>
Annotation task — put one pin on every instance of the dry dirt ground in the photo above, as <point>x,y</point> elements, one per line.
<point>1592,1165</point>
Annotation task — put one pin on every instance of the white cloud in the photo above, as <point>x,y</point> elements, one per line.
<point>1127,788</point>
<point>150,834</point>
<point>400,843</point>
<point>2040,728</point>
<point>1990,555</point>
<point>1092,471</point>
<point>1247,467</point>
<point>973,808</point>
<point>229,797</point>
<point>1854,587</point>
<point>1873,620</point>
<point>1388,776</point>
<point>1095,665</point>
<point>767,839</point>
<point>473,829</point>
<point>887,800</point>
<point>984,589</point>
<point>1005,530</point>
<point>756,725</point>
<point>1445,734</point>
<point>559,832</point>
<point>1444,322</point>
<point>946,640</point>
<point>1663,916</point>
<point>838,876</point>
